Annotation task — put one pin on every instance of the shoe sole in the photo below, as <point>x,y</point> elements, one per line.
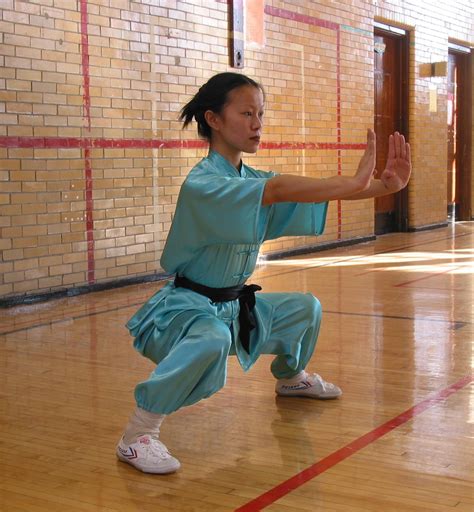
<point>307,395</point>
<point>151,470</point>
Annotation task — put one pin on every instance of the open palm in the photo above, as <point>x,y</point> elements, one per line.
<point>398,168</point>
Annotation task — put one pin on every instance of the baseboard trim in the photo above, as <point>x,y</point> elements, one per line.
<point>277,255</point>
<point>427,227</point>
<point>17,300</point>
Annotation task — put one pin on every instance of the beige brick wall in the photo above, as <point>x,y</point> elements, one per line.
<point>85,199</point>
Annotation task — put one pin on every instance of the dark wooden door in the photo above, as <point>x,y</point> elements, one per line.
<point>459,136</point>
<point>390,115</point>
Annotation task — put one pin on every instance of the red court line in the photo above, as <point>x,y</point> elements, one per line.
<point>331,460</point>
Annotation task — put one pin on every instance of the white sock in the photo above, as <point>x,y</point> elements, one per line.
<point>142,422</point>
<point>295,379</point>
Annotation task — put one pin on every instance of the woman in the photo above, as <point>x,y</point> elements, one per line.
<point>225,211</point>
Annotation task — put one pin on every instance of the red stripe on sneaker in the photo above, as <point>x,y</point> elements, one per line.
<point>331,460</point>
<point>132,455</point>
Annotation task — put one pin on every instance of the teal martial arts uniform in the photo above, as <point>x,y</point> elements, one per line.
<point>214,240</point>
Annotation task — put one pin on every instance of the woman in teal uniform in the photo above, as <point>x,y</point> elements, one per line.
<point>225,211</point>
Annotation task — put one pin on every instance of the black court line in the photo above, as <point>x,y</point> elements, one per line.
<point>455,324</point>
<point>70,318</point>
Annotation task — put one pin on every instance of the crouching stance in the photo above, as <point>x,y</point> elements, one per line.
<point>225,211</point>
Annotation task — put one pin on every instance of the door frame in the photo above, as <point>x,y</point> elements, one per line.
<point>465,188</point>
<point>401,198</point>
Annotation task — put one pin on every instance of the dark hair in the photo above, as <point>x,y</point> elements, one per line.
<point>213,95</point>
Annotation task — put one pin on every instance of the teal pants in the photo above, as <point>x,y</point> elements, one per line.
<point>191,354</point>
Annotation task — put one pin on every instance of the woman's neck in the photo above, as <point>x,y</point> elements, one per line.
<point>231,155</point>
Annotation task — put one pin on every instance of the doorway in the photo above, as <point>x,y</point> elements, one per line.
<point>391,114</point>
<point>459,133</point>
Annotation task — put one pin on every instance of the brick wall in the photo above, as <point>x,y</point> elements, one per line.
<point>431,29</point>
<point>92,154</point>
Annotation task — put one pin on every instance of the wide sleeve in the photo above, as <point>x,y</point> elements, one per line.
<point>215,209</point>
<point>223,209</point>
<point>296,219</point>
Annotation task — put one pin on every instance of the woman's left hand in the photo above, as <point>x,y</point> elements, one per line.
<point>398,168</point>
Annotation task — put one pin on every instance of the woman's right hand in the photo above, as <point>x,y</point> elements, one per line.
<point>301,189</point>
<point>366,168</point>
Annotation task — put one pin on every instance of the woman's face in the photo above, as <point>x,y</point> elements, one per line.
<point>238,127</point>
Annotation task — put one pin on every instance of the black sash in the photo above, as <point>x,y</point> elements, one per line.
<point>245,294</point>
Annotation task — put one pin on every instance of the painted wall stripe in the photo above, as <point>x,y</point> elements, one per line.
<point>338,127</point>
<point>85,65</point>
<point>311,145</point>
<point>89,217</point>
<point>86,148</point>
<point>331,460</point>
<point>89,143</point>
<point>301,18</point>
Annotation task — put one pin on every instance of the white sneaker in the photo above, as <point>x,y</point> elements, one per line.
<point>309,385</point>
<point>148,454</point>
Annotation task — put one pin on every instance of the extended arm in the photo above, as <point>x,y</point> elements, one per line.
<point>290,188</point>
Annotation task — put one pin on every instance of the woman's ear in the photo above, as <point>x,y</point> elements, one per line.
<point>212,119</point>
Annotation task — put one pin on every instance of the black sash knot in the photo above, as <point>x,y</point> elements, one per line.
<point>245,294</point>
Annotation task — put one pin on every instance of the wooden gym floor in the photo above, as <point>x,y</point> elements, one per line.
<point>397,336</point>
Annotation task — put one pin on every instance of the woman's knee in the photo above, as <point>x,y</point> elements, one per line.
<point>310,305</point>
<point>214,340</point>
